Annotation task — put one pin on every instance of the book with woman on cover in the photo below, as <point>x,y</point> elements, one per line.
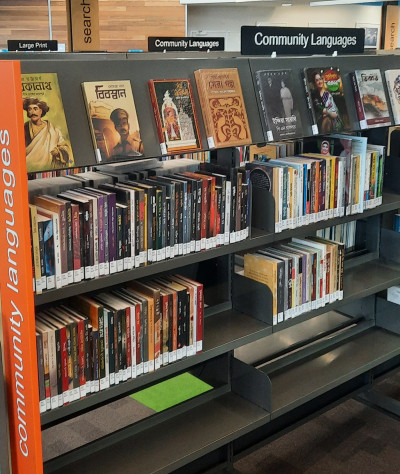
<point>279,112</point>
<point>223,107</point>
<point>175,114</point>
<point>370,98</point>
<point>324,87</point>
<point>112,119</point>
<point>47,139</point>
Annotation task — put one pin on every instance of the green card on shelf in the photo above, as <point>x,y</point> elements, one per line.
<point>169,393</point>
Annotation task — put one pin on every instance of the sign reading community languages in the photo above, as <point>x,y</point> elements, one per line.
<point>261,40</point>
<point>188,43</point>
<point>32,45</point>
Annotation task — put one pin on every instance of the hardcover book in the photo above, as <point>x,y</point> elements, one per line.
<point>112,119</point>
<point>328,110</point>
<point>279,112</point>
<point>370,98</point>
<point>47,139</point>
<point>393,83</point>
<point>223,107</point>
<point>175,114</point>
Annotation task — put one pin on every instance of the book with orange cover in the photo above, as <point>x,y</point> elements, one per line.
<point>175,114</point>
<point>223,107</point>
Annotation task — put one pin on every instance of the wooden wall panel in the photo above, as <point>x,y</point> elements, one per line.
<point>124,24</point>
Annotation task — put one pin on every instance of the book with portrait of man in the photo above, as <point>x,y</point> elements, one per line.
<point>175,115</point>
<point>112,119</point>
<point>280,117</point>
<point>47,142</point>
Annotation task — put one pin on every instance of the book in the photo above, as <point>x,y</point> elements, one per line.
<point>371,98</point>
<point>279,112</point>
<point>175,115</point>
<point>324,87</point>
<point>393,84</point>
<point>223,107</point>
<point>47,140</point>
<point>112,119</point>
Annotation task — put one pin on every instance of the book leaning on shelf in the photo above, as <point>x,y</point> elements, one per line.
<point>47,141</point>
<point>392,77</point>
<point>223,107</point>
<point>113,120</point>
<point>175,115</point>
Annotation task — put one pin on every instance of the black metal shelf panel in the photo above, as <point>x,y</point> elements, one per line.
<point>173,443</point>
<point>223,332</point>
<point>295,386</point>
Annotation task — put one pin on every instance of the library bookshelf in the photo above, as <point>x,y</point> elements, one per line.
<point>266,378</point>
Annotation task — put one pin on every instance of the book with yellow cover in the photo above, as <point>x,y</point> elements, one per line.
<point>223,107</point>
<point>112,119</point>
<point>47,141</point>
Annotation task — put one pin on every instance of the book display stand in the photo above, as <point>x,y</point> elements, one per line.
<point>265,377</point>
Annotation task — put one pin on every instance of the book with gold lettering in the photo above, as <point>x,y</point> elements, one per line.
<point>47,141</point>
<point>112,119</point>
<point>175,115</point>
<point>223,107</point>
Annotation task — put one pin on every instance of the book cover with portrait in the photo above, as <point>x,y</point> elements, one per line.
<point>112,119</point>
<point>47,142</point>
<point>175,115</point>
<point>279,111</point>
<point>223,107</point>
<point>324,87</point>
<point>370,98</point>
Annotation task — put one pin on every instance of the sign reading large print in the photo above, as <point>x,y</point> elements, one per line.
<point>261,40</point>
<point>83,25</point>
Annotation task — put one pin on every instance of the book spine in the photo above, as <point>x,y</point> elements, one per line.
<point>41,381</point>
<point>69,242</point>
<point>76,243</point>
<point>112,232</point>
<point>101,232</point>
<point>358,101</point>
<point>310,109</point>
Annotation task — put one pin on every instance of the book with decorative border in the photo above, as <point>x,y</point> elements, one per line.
<point>47,140</point>
<point>112,119</point>
<point>371,98</point>
<point>175,115</point>
<point>223,107</point>
<point>326,101</point>
<point>279,112</point>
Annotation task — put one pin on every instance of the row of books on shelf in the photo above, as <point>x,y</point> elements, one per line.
<point>311,187</point>
<point>88,232</point>
<point>92,342</point>
<point>345,233</point>
<point>115,126</point>
<point>302,274</point>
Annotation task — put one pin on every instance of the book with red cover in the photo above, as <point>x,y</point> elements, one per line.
<point>175,115</point>
<point>223,107</point>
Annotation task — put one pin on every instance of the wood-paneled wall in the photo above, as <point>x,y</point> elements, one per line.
<point>124,24</point>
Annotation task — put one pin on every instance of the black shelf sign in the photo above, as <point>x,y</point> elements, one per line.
<point>32,45</point>
<point>261,40</point>
<point>188,43</point>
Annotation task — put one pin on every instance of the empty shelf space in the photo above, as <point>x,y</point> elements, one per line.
<point>301,382</point>
<point>169,444</point>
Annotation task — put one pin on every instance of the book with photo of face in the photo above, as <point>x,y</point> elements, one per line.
<point>47,141</point>
<point>112,119</point>
<point>175,115</point>
<point>326,101</point>
<point>279,111</point>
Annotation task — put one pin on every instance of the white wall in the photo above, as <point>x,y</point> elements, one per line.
<point>220,20</point>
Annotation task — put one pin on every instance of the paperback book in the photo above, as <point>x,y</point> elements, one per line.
<point>47,142</point>
<point>370,98</point>
<point>223,107</point>
<point>279,112</point>
<point>325,98</point>
<point>393,83</point>
<point>112,119</point>
<point>175,115</point>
